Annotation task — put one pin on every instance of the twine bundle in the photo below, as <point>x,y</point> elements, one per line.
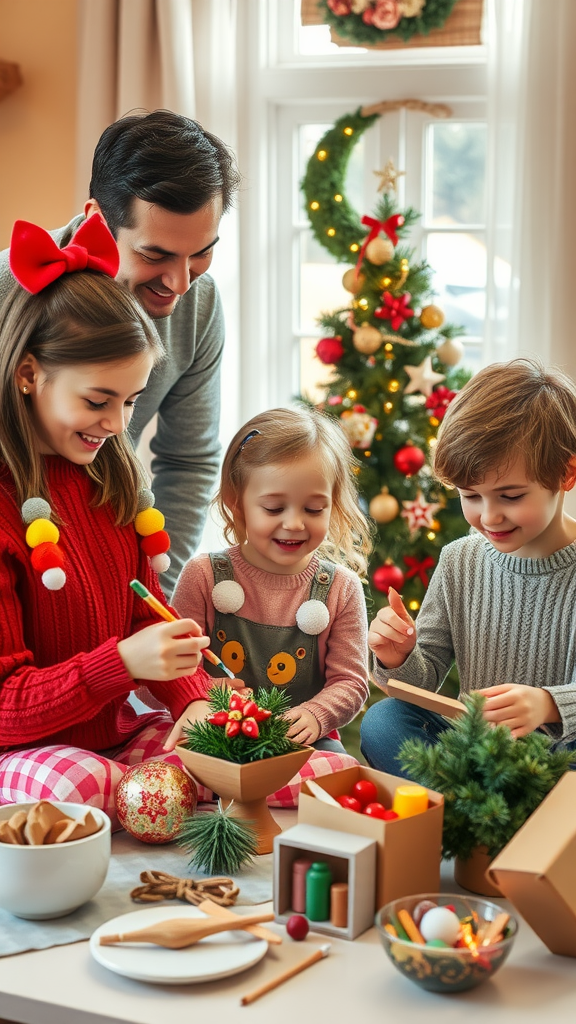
<point>158,886</point>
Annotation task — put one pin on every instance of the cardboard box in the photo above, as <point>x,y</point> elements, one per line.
<point>409,849</point>
<point>447,706</point>
<point>536,871</point>
<point>351,859</point>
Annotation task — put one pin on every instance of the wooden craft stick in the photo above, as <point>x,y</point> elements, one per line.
<point>214,910</point>
<point>320,953</point>
<point>410,928</point>
<point>446,706</point>
<point>495,929</point>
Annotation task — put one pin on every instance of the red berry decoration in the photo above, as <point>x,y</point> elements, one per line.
<point>351,803</point>
<point>409,460</point>
<point>297,927</point>
<point>330,350</point>
<point>386,576</point>
<point>375,810</point>
<point>365,791</point>
<point>390,816</point>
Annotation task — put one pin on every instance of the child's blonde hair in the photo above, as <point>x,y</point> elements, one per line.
<point>507,411</point>
<point>286,435</point>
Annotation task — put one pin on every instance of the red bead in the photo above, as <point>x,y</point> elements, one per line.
<point>330,350</point>
<point>350,803</point>
<point>409,460</point>
<point>47,556</point>
<point>297,927</point>
<point>365,791</point>
<point>386,576</point>
<point>250,728</point>
<point>232,729</point>
<point>218,718</point>
<point>390,816</point>
<point>155,544</point>
<point>375,810</point>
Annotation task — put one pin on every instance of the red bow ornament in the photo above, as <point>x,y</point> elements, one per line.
<point>396,310</point>
<point>416,568</point>
<point>376,226</point>
<point>439,401</point>
<point>36,260</point>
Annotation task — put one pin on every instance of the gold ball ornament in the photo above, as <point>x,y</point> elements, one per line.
<point>153,799</point>
<point>450,351</point>
<point>379,251</point>
<point>367,339</point>
<point>431,317</point>
<point>353,283</point>
<point>384,508</point>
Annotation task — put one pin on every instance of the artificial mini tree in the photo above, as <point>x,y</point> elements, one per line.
<point>393,358</point>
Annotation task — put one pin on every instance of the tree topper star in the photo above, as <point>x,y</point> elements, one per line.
<point>388,177</point>
<point>419,513</point>
<point>422,378</point>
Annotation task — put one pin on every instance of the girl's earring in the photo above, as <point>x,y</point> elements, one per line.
<point>25,389</point>
<point>246,538</point>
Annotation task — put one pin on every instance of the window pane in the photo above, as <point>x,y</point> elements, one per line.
<point>456,173</point>
<point>321,288</point>
<point>458,261</point>
<point>314,375</point>
<point>314,40</point>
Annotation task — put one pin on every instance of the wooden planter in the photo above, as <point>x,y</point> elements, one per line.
<point>471,873</point>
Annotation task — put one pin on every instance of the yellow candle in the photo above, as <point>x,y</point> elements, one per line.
<point>409,800</point>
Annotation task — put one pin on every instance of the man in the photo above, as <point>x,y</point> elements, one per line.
<point>162,184</point>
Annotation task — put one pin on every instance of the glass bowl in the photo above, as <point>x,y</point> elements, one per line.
<point>446,969</point>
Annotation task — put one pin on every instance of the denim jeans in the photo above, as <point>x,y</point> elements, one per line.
<point>388,723</point>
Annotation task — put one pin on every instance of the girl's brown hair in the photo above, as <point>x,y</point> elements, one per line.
<point>507,411</point>
<point>80,318</point>
<point>286,435</point>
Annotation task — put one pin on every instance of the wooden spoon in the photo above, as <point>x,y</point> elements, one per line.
<point>215,910</point>
<point>179,932</point>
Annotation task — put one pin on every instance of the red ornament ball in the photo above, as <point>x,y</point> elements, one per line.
<point>153,800</point>
<point>409,460</point>
<point>375,810</point>
<point>386,576</point>
<point>297,927</point>
<point>351,803</point>
<point>365,791</point>
<point>330,350</point>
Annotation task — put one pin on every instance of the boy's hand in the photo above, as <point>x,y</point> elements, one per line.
<point>305,728</point>
<point>392,634</point>
<point>521,708</point>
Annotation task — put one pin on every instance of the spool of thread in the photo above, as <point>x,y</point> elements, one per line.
<point>318,881</point>
<point>339,904</point>
<point>409,800</point>
<point>299,869</point>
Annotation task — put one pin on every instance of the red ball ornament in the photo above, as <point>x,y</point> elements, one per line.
<point>351,803</point>
<point>365,791</point>
<point>375,810</point>
<point>386,576</point>
<point>330,350</point>
<point>297,927</point>
<point>409,460</point>
<point>153,800</point>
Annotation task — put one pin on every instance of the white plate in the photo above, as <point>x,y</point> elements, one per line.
<point>215,957</point>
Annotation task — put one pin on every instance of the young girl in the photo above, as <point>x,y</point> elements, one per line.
<point>75,640</point>
<point>284,606</point>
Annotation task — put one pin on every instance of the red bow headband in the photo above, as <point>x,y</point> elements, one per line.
<point>36,260</point>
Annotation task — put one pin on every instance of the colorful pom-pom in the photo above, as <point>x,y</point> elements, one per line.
<point>35,508</point>
<point>54,579</point>
<point>47,556</point>
<point>312,617</point>
<point>146,499</point>
<point>160,563</point>
<point>228,597</point>
<point>156,543</point>
<point>149,521</point>
<point>41,531</point>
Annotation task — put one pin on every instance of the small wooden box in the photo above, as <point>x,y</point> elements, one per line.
<point>351,859</point>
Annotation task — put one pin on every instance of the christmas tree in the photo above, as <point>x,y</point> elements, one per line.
<point>393,358</point>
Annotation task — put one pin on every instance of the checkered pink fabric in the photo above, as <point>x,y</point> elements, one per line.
<point>320,762</point>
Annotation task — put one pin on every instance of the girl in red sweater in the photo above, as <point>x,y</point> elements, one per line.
<point>75,641</point>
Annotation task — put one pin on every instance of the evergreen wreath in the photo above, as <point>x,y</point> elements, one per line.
<point>265,733</point>
<point>491,783</point>
<point>360,21</point>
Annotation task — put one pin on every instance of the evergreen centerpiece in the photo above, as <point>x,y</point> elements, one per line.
<point>491,783</point>
<point>392,357</point>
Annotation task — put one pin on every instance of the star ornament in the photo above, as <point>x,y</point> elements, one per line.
<point>419,513</point>
<point>388,177</point>
<point>422,378</point>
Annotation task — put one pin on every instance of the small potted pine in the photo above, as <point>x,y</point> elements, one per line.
<point>491,784</point>
<point>242,753</point>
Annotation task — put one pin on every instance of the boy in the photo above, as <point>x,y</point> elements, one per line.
<point>502,601</point>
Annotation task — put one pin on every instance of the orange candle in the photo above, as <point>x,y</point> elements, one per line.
<point>409,800</point>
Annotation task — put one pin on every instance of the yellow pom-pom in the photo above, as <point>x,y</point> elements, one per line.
<point>149,521</point>
<point>41,530</point>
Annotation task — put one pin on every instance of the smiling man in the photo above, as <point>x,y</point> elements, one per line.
<point>162,184</point>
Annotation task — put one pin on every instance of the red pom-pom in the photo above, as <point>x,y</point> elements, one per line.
<point>386,576</point>
<point>156,544</point>
<point>409,460</point>
<point>330,350</point>
<point>47,556</point>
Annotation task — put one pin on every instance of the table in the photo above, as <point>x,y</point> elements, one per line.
<point>355,984</point>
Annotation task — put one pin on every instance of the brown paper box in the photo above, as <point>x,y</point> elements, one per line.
<point>409,849</point>
<point>447,706</point>
<point>536,870</point>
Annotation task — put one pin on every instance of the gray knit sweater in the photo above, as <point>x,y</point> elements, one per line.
<point>504,620</point>
<point>185,392</point>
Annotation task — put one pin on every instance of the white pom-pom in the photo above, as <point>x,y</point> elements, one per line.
<point>312,617</point>
<point>228,597</point>
<point>160,563</point>
<point>54,579</point>
<point>146,499</point>
<point>35,508</point>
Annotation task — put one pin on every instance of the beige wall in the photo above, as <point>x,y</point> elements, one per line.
<point>38,121</point>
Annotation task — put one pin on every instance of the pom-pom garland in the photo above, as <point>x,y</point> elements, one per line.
<point>42,535</point>
<point>149,524</point>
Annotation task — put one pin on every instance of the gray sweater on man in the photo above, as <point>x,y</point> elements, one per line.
<point>185,392</point>
<point>504,620</point>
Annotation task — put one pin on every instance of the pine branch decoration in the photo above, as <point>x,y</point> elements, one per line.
<point>217,842</point>
<point>491,783</point>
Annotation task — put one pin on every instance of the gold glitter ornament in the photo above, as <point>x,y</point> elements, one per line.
<point>367,339</point>
<point>431,317</point>
<point>450,351</point>
<point>379,251</point>
<point>384,507</point>
<point>154,799</point>
<point>352,283</point>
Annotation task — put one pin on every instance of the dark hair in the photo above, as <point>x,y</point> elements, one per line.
<point>162,158</point>
<point>507,411</point>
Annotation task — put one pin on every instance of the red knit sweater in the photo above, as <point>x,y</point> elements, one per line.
<point>61,677</point>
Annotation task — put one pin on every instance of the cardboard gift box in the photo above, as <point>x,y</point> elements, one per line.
<point>536,870</point>
<point>409,849</point>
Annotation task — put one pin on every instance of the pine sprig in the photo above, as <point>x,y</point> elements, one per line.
<point>217,842</point>
<point>272,741</point>
<point>491,783</point>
